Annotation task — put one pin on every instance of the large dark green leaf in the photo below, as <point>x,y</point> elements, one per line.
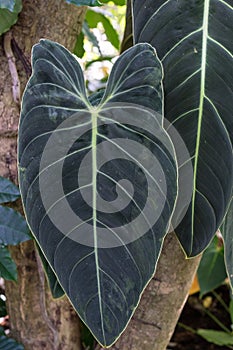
<point>194,42</point>
<point>8,268</point>
<point>89,215</point>
<point>8,17</point>
<point>13,227</point>
<point>8,191</point>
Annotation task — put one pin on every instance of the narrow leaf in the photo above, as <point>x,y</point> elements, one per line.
<point>13,227</point>
<point>127,40</point>
<point>84,2</point>
<point>227,232</point>
<point>93,18</point>
<point>211,271</point>
<point>3,311</point>
<point>90,35</point>
<point>216,337</point>
<point>9,344</point>
<point>194,42</point>
<point>116,2</point>
<point>8,191</point>
<point>231,311</point>
<point>79,46</point>
<point>8,268</point>
<point>98,180</point>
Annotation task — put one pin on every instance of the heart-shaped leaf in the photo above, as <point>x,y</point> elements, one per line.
<point>194,42</point>
<point>98,180</point>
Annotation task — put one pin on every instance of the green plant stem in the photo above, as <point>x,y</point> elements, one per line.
<point>187,328</point>
<point>221,301</point>
<point>216,320</point>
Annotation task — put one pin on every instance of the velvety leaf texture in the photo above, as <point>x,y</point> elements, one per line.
<point>73,196</point>
<point>193,39</point>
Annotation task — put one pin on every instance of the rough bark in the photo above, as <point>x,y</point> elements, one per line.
<point>162,302</point>
<point>36,320</point>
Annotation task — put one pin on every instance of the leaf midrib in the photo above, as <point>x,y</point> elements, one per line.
<point>94,208</point>
<point>202,97</point>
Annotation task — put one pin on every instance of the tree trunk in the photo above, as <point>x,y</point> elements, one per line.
<point>36,319</point>
<point>155,319</point>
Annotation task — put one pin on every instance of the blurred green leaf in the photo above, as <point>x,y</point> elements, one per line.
<point>7,4</point>
<point>99,59</point>
<point>90,35</point>
<point>8,268</point>
<point>8,191</point>
<point>216,337</point>
<point>211,272</point>
<point>84,2</point>
<point>95,2</point>
<point>93,18</point>
<point>79,46</point>
<point>231,310</point>
<point>87,339</point>
<point>13,227</point>
<point>8,18</point>
<point>9,344</point>
<point>116,2</point>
